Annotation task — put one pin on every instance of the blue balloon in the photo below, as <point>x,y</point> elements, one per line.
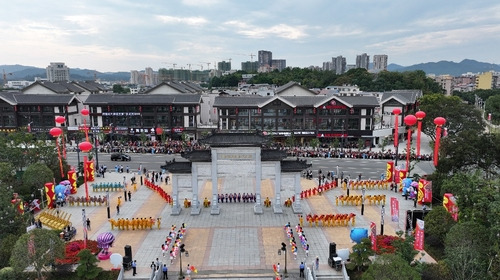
<point>358,233</point>
<point>60,191</point>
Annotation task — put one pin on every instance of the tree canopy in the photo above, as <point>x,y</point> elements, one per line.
<point>390,267</point>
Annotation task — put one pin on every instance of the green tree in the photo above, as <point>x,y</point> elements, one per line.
<point>120,89</point>
<point>404,247</point>
<point>360,256</point>
<point>7,173</point>
<point>437,224</point>
<point>87,268</point>
<point>35,176</point>
<point>40,248</point>
<point>390,267</point>
<point>432,271</point>
<point>314,143</point>
<point>466,247</point>
<point>6,245</point>
<point>12,222</point>
<point>492,106</point>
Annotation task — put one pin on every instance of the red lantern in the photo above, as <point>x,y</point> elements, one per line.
<point>439,121</point>
<point>420,115</point>
<point>159,131</point>
<point>85,112</point>
<point>410,120</point>
<point>55,132</point>
<point>85,146</point>
<point>60,119</point>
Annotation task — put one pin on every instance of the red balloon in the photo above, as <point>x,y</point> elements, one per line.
<point>159,131</point>
<point>85,146</point>
<point>55,132</point>
<point>420,115</point>
<point>439,121</point>
<point>396,111</point>
<point>85,112</point>
<point>60,119</point>
<point>410,120</point>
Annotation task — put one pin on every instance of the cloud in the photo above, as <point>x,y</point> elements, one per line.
<point>88,24</point>
<point>196,3</point>
<point>193,21</point>
<point>284,31</point>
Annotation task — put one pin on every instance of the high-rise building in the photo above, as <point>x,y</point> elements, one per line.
<point>57,72</point>
<point>380,62</point>
<point>224,66</point>
<point>339,64</point>
<point>363,61</point>
<point>149,76</point>
<point>484,80</point>
<point>265,59</point>
<point>327,66</point>
<point>250,66</point>
<point>279,64</point>
<point>134,77</point>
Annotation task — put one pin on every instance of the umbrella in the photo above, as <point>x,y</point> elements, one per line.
<point>65,182</point>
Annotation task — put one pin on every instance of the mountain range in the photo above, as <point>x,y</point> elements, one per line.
<point>29,73</point>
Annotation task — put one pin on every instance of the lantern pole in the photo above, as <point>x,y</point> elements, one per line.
<point>420,115</point>
<point>439,122</point>
<point>396,113</point>
<point>409,120</point>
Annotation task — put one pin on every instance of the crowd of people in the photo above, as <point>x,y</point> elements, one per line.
<point>233,197</point>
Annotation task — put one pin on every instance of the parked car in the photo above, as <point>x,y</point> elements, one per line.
<point>120,156</point>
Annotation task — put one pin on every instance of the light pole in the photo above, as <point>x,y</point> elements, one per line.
<point>107,204</point>
<point>409,120</point>
<point>363,201</point>
<point>396,113</point>
<point>283,248</point>
<point>382,213</point>
<point>84,221</point>
<point>182,250</point>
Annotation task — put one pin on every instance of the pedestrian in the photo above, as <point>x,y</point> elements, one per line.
<point>301,268</point>
<point>152,266</point>
<point>171,257</point>
<point>278,268</point>
<point>129,196</point>
<point>188,270</point>
<point>128,169</point>
<point>88,224</point>
<point>118,209</point>
<point>307,250</point>
<point>125,192</point>
<point>134,267</point>
<point>158,264</point>
<point>163,249</point>
<point>316,263</point>
<point>165,271</point>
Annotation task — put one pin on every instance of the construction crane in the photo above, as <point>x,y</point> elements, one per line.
<point>251,55</point>
<point>201,65</point>
<point>208,64</point>
<point>5,77</point>
<point>170,63</point>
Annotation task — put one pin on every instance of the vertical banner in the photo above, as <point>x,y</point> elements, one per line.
<point>400,175</point>
<point>89,172</point>
<point>51,194</point>
<point>373,235</point>
<point>450,204</point>
<point>389,171</point>
<point>394,209</point>
<point>419,236</point>
<point>72,181</point>
<point>424,191</point>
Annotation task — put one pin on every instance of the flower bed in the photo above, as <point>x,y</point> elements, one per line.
<point>73,248</point>
<point>384,244</point>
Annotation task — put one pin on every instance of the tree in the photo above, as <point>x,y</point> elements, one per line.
<point>431,271</point>
<point>437,224</point>
<point>314,143</point>
<point>361,253</point>
<point>6,245</point>
<point>388,267</point>
<point>35,176</point>
<point>87,268</point>
<point>404,247</point>
<point>12,222</point>
<point>466,250</point>
<point>39,247</point>
<point>119,89</point>
<point>492,107</point>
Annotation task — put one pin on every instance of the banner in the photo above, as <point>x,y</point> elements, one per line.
<point>373,235</point>
<point>51,194</point>
<point>394,209</point>
<point>72,181</point>
<point>389,171</point>
<point>400,175</point>
<point>424,191</point>
<point>89,170</point>
<point>419,235</point>
<point>450,203</point>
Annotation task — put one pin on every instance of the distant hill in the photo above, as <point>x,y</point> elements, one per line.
<point>29,73</point>
<point>448,67</point>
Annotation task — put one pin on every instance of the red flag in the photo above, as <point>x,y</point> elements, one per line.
<point>394,209</point>
<point>373,235</point>
<point>424,191</point>
<point>450,204</point>
<point>419,235</point>
<point>389,171</point>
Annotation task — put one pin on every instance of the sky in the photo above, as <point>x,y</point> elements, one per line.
<point>124,35</point>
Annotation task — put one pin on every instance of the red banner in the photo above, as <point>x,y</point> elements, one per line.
<point>51,194</point>
<point>373,235</point>
<point>400,175</point>
<point>389,171</point>
<point>450,204</point>
<point>72,181</point>
<point>394,209</point>
<point>419,235</point>
<point>89,170</point>
<point>424,191</point>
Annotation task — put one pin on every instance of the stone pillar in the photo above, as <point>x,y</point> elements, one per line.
<point>215,210</point>
<point>257,208</point>
<point>277,207</point>
<point>195,202</point>
<point>296,206</point>
<point>176,207</point>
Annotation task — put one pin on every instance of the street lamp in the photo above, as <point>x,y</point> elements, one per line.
<point>283,248</point>
<point>41,197</point>
<point>382,213</point>
<point>363,201</point>
<point>182,250</point>
<point>107,204</point>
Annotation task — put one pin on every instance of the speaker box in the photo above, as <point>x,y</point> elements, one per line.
<point>128,251</point>
<point>333,250</point>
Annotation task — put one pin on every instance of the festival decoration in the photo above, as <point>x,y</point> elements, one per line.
<point>105,241</point>
<point>439,122</point>
<point>394,209</point>
<point>159,131</point>
<point>396,113</point>
<point>410,121</point>
<point>72,181</point>
<point>424,191</point>
<point>389,177</point>
<point>50,193</point>
<point>418,244</point>
<point>373,235</point>
<point>420,115</point>
<point>89,169</point>
<point>61,120</point>
<point>358,233</point>
<point>56,132</point>
<point>450,203</point>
